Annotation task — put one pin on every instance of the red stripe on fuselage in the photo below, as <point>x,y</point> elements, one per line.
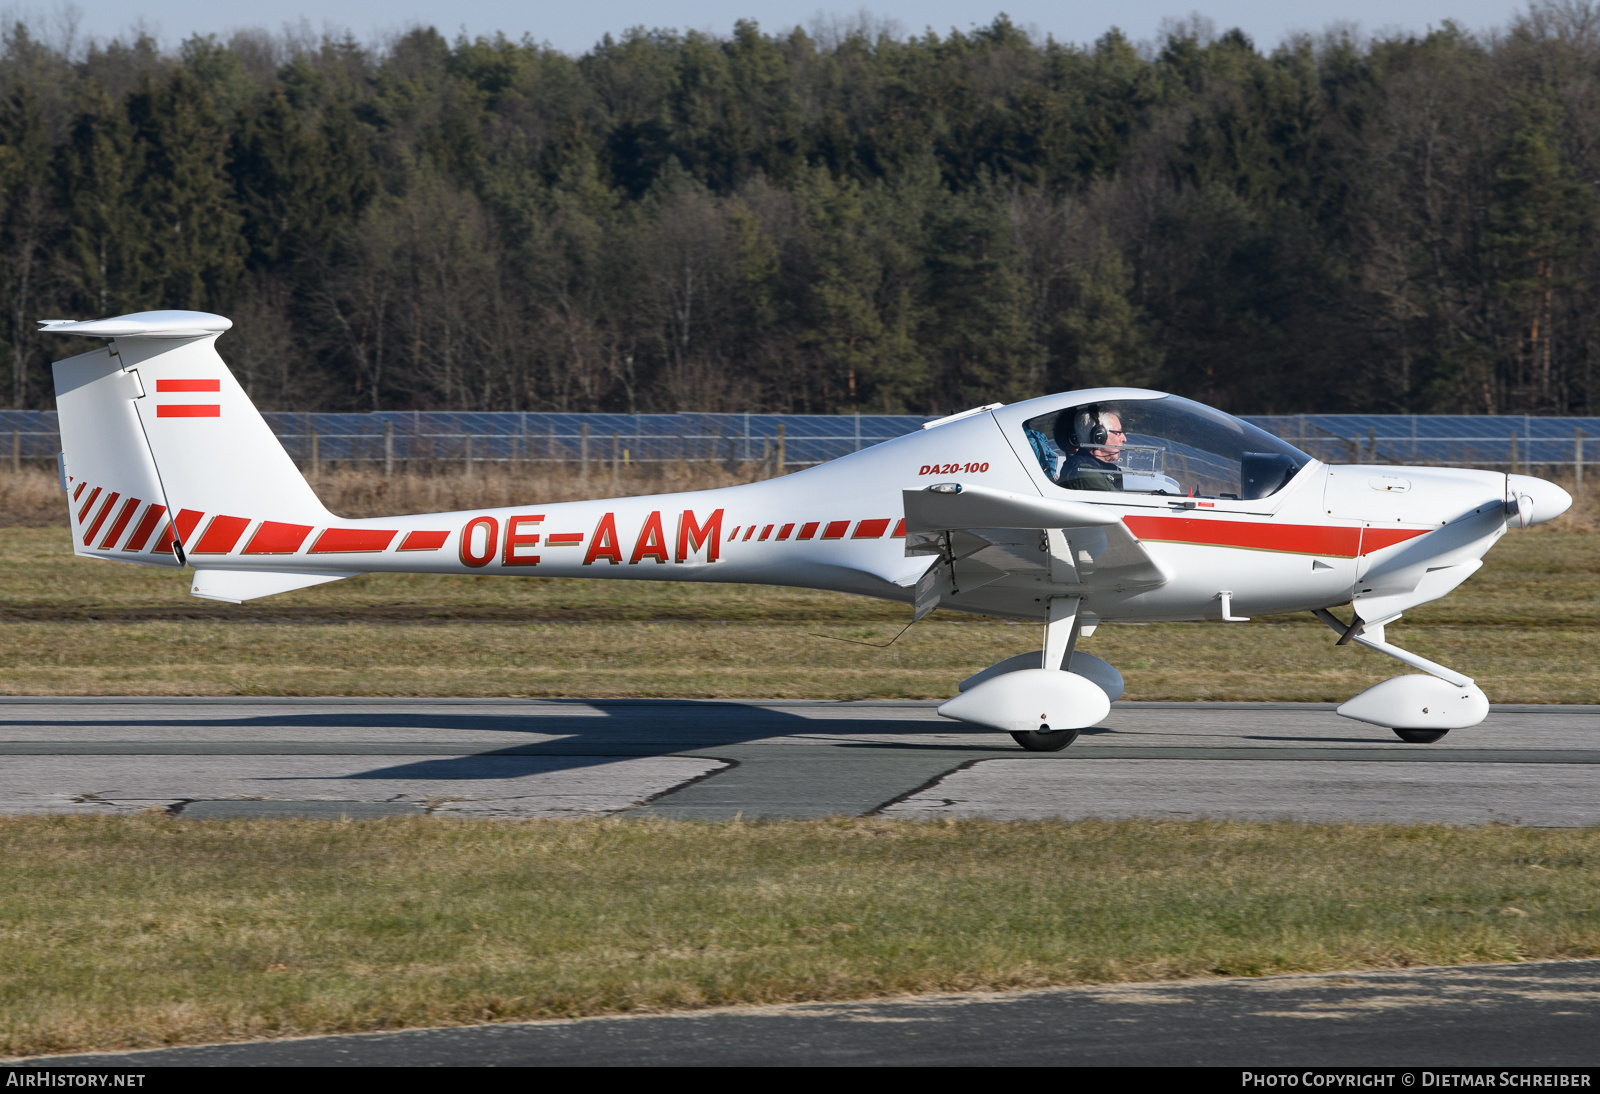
<point>220,535</point>
<point>1376,539</point>
<point>276,538</point>
<point>341,540</point>
<point>1295,539</point>
<point>423,541</point>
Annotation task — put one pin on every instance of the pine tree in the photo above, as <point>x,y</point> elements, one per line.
<point>197,245</point>
<point>1540,221</point>
<point>108,236</point>
<point>27,218</point>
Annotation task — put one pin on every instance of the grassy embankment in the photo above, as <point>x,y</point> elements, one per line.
<point>1525,626</point>
<point>144,931</point>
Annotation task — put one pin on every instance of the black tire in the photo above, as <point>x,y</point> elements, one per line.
<point>1046,740</point>
<point>1420,736</point>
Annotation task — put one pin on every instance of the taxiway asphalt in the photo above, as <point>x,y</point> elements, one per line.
<point>677,758</point>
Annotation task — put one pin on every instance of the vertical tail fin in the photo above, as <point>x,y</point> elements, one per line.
<point>158,421</point>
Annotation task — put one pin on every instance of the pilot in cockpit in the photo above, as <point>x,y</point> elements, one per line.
<point>1092,441</point>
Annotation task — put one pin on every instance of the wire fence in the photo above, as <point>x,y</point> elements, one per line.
<point>423,440</point>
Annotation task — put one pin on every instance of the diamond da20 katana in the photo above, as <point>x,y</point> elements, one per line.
<point>1107,505</point>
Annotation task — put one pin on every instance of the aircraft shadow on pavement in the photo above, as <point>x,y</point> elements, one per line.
<point>614,732</point>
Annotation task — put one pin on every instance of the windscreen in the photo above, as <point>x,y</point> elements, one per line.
<point>1168,446</point>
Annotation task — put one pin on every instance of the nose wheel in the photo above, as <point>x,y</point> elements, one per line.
<point>1418,736</point>
<point>1051,740</point>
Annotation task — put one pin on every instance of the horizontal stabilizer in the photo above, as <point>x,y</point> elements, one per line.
<point>144,324</point>
<point>237,586</point>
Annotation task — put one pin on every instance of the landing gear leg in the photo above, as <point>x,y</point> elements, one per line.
<point>1420,709</point>
<point>1060,636</point>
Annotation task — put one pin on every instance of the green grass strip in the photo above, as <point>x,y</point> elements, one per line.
<point>123,932</point>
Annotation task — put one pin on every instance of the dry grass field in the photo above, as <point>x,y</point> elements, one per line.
<point>1525,626</point>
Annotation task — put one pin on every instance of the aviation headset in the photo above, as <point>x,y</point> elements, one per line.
<point>1087,429</point>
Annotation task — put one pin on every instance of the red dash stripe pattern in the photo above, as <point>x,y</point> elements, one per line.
<point>277,538</point>
<point>114,533</point>
<point>871,529</point>
<point>100,518</point>
<point>188,385</point>
<point>220,535</point>
<point>189,410</point>
<point>423,541</point>
<point>808,529</point>
<point>83,514</point>
<point>836,529</point>
<point>146,525</point>
<point>341,540</point>
<point>186,521</point>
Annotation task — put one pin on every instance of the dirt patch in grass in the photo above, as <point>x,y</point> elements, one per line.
<point>130,932</point>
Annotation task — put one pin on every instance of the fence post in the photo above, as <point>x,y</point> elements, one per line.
<point>467,461</point>
<point>388,450</point>
<point>616,460</point>
<point>1372,444</point>
<point>1514,452</point>
<point>16,451</point>
<point>316,460</point>
<point>583,454</point>
<point>779,469</point>
<point>1577,461</point>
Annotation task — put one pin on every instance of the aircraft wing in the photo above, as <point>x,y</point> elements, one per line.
<point>981,535</point>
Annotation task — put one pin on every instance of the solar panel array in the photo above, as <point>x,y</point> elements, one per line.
<point>1454,439</point>
<point>434,437</point>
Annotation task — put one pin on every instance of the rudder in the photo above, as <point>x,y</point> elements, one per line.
<point>160,415</point>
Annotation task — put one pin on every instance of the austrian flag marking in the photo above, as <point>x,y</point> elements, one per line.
<point>188,410</point>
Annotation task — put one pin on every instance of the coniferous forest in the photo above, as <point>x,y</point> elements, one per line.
<point>825,222</point>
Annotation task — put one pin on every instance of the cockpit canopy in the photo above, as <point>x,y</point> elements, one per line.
<point>1165,445</point>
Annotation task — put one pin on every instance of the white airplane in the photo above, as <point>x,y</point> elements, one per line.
<point>1106,505</point>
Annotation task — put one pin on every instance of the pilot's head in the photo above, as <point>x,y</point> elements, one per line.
<point>1094,431</point>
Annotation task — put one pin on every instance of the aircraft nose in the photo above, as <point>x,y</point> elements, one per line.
<point>1548,501</point>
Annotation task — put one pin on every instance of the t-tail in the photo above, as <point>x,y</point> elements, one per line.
<point>164,455</point>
